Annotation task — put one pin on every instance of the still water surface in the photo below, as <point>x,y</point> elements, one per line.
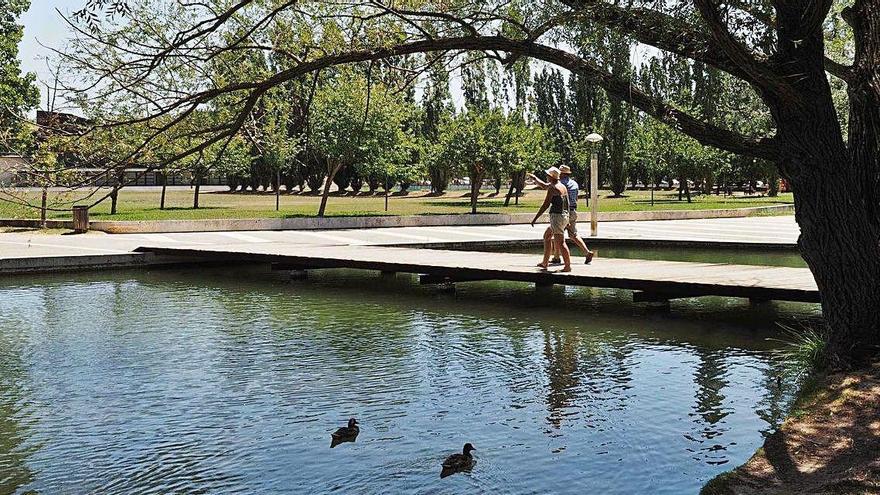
<point>230,381</point>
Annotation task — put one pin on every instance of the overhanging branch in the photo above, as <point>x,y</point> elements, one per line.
<point>615,86</point>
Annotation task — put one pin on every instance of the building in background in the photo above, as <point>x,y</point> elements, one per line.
<point>10,168</point>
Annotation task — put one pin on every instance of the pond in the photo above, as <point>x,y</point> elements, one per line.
<point>230,380</point>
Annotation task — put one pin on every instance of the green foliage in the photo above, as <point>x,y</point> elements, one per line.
<point>345,131</point>
<point>401,138</point>
<point>804,347</point>
<point>18,93</point>
<point>482,144</point>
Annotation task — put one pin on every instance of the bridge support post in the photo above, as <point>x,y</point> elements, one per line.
<point>650,297</point>
<point>294,272</point>
<point>661,306</point>
<point>299,275</point>
<point>447,287</point>
<point>434,279</point>
<point>444,284</point>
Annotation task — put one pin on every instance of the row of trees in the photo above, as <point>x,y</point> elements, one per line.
<point>395,141</point>
<point>373,126</point>
<point>792,83</point>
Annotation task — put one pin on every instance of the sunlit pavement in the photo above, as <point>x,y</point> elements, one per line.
<point>777,230</point>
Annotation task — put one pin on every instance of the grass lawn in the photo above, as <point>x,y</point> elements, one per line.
<point>143,204</point>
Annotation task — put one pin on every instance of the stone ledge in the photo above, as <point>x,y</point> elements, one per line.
<point>70,263</point>
<point>340,223</point>
<point>29,223</point>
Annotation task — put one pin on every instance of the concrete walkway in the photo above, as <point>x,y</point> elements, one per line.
<point>780,231</point>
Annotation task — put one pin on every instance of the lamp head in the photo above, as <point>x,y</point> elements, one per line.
<point>594,138</point>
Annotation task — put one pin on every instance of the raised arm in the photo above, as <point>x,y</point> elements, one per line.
<point>538,182</point>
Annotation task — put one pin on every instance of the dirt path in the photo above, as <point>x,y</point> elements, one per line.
<point>830,444</point>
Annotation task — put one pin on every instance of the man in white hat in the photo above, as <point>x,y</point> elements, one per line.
<point>573,191</point>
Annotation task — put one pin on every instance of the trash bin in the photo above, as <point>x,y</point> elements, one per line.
<point>80,219</point>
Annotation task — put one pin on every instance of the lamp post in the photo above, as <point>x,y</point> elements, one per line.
<point>594,139</point>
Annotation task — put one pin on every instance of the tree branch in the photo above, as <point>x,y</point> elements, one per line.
<point>659,30</point>
<point>759,72</point>
<point>615,86</point>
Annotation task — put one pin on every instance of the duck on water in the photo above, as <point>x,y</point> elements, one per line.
<point>345,434</point>
<point>459,462</point>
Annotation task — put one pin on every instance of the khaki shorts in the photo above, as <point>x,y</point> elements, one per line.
<point>572,223</point>
<point>558,222</point>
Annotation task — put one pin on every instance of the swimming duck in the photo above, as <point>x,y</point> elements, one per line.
<point>345,434</point>
<point>460,461</point>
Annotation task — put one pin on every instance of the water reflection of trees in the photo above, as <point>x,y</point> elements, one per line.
<point>584,371</point>
<point>561,356</point>
<point>15,403</point>
<point>710,378</point>
<point>777,398</point>
<point>14,410</point>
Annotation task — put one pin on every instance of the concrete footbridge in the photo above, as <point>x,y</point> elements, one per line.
<point>651,281</point>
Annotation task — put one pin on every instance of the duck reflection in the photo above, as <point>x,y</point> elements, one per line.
<point>777,397</point>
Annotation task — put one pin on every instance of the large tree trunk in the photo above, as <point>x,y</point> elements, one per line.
<point>838,207</point>
<point>839,241</point>
<point>334,169</point>
<point>835,184</point>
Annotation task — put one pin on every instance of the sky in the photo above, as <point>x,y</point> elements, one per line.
<point>44,27</point>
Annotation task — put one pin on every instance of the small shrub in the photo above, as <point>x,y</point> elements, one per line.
<point>805,346</point>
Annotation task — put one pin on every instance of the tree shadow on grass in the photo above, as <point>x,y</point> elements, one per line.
<point>158,212</point>
<point>241,193</point>
<point>430,214</point>
<point>832,450</point>
<point>334,215</point>
<point>187,208</point>
<point>480,204</point>
<point>658,201</point>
